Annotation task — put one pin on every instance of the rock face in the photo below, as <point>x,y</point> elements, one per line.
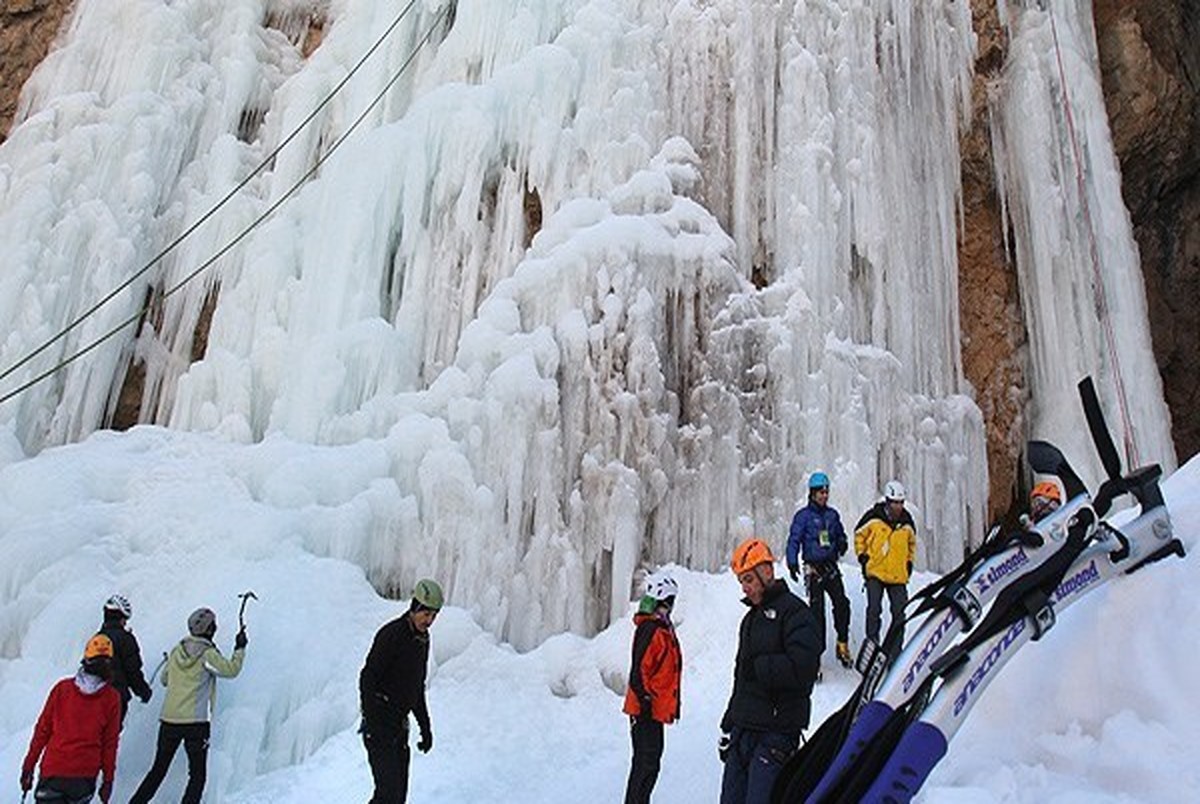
<point>1150,59</point>
<point>1150,66</point>
<point>27,27</point>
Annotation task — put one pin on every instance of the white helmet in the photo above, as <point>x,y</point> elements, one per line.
<point>893,491</point>
<point>661,586</point>
<point>120,605</point>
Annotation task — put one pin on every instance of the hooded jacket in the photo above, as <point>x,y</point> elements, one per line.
<point>77,730</point>
<point>655,670</point>
<point>890,547</point>
<point>190,676</point>
<point>776,665</point>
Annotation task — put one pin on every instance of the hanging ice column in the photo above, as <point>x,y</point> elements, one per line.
<point>1081,284</point>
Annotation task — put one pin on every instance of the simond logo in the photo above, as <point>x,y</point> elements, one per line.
<point>988,663</point>
<point>1001,570</point>
<point>1079,581</point>
<point>934,640</point>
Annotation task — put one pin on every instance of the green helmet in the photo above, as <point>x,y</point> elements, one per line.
<point>428,594</point>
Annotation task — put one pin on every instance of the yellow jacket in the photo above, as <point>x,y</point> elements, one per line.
<point>890,547</point>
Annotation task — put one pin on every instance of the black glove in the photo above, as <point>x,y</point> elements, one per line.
<point>239,641</point>
<point>862,559</point>
<point>146,696</point>
<point>909,565</point>
<point>26,782</point>
<point>426,741</point>
<point>723,746</point>
<point>647,708</point>
<point>794,571</point>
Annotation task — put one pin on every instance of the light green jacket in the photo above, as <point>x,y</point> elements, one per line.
<point>190,677</point>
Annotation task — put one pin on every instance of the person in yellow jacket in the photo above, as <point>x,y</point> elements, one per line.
<point>190,676</point>
<point>885,541</point>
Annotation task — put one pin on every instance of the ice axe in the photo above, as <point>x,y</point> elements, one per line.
<point>154,675</point>
<point>245,596</point>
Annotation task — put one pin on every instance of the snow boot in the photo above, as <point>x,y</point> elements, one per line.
<point>843,654</point>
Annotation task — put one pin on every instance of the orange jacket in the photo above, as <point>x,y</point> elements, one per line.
<point>655,669</point>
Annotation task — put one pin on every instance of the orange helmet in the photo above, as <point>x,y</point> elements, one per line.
<point>749,554</point>
<point>1047,489</point>
<point>99,645</point>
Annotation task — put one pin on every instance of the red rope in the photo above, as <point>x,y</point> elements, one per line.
<point>1131,452</point>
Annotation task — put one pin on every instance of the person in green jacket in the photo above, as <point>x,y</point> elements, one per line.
<point>190,676</point>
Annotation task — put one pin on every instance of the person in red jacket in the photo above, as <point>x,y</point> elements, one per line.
<point>652,697</point>
<point>76,734</point>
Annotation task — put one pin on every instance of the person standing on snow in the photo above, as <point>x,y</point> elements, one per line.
<point>818,538</point>
<point>76,735</point>
<point>390,686</point>
<point>190,676</point>
<point>652,697</point>
<point>127,656</point>
<point>773,676</point>
<point>885,542</point>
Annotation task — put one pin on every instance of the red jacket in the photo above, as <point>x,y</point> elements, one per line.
<point>78,731</point>
<point>655,669</point>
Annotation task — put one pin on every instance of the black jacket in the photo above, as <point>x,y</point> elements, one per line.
<point>392,681</point>
<point>127,661</point>
<point>776,665</point>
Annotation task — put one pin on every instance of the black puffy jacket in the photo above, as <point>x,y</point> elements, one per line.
<point>392,681</point>
<point>776,665</point>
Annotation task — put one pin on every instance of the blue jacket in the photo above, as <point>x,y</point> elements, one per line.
<point>817,535</point>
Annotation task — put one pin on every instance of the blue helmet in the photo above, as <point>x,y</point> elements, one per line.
<point>818,480</point>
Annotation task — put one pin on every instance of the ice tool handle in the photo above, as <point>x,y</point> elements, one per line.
<point>245,597</point>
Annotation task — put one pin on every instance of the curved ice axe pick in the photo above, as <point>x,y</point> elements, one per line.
<point>245,596</point>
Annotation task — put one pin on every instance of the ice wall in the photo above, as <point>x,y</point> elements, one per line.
<point>601,277</point>
<point>1080,277</point>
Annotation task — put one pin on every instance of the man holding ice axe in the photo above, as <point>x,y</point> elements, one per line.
<point>190,676</point>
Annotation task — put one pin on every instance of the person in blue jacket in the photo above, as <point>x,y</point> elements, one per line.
<point>817,538</point>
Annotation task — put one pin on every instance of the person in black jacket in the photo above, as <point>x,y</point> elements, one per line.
<point>127,678</point>
<point>774,672</point>
<point>390,686</point>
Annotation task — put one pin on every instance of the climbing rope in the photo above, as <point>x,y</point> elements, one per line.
<point>240,236</point>
<point>157,258</point>
<point>1101,297</point>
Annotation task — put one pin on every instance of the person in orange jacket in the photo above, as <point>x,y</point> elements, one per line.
<point>76,735</point>
<point>652,697</point>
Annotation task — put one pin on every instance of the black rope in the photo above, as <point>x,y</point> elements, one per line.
<point>224,250</point>
<point>203,218</point>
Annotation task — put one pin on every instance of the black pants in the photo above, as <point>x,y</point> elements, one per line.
<point>194,737</point>
<point>65,790</point>
<point>647,736</point>
<point>387,754</point>
<point>818,586</point>
<point>897,594</point>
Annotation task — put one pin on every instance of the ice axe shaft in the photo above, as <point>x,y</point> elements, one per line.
<point>162,662</point>
<point>245,596</point>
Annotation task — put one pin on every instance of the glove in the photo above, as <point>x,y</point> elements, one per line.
<point>647,708</point>
<point>794,571</point>
<point>723,746</point>
<point>426,741</point>
<point>106,791</point>
<point>26,781</point>
<point>239,641</point>
<point>909,565</point>
<point>862,559</point>
<point>146,696</point>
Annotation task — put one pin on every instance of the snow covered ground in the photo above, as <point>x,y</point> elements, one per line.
<point>1103,709</point>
